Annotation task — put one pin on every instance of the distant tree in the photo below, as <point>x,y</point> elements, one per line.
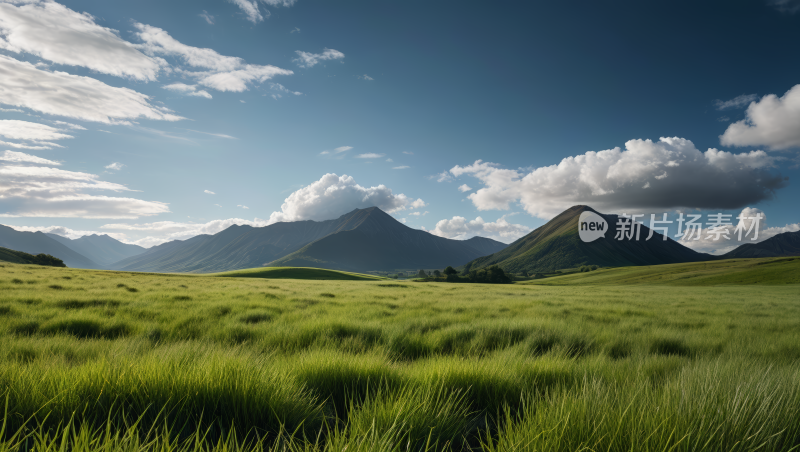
<point>450,271</point>
<point>539,275</point>
<point>46,259</point>
<point>422,274</point>
<point>593,267</point>
<point>437,273</point>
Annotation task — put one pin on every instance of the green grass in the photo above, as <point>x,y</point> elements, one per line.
<point>298,273</point>
<point>131,361</point>
<point>767,271</point>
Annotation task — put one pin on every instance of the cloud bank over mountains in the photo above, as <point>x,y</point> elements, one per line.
<point>667,174</point>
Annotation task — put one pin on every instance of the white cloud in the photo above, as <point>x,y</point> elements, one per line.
<point>306,59</point>
<point>33,191</point>
<point>365,77</point>
<point>224,73</point>
<point>408,152</point>
<point>707,243</point>
<point>772,121</point>
<point>189,90</point>
<point>295,30</point>
<point>736,102</point>
<point>283,89</point>
<point>39,145</point>
<point>59,93</point>
<point>444,176</point>
<point>402,167</point>
<point>419,214</point>
<point>680,176</point>
<point>56,33</point>
<point>464,188</point>
<point>390,161</point>
<point>250,9</point>
<point>370,155</point>
<point>30,131</point>
<point>243,207</point>
<point>209,192</point>
<point>460,228</point>
<point>333,196</point>
<point>20,157</point>
<point>208,17</point>
<point>343,149</point>
<point>419,203</point>
<point>116,166</point>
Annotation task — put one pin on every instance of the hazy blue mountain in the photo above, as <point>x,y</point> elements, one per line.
<point>557,245</point>
<point>783,244</point>
<point>39,243</point>
<point>241,247</point>
<point>101,249</point>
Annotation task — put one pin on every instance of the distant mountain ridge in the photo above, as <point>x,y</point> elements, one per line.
<point>101,249</point>
<point>40,243</point>
<point>783,244</point>
<point>557,245</point>
<point>361,240</point>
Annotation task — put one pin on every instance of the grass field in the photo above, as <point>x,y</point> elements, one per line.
<point>106,361</point>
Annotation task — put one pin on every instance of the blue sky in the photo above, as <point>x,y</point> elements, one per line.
<point>260,106</point>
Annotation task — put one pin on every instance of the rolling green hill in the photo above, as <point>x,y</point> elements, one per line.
<point>769,271</point>
<point>297,273</point>
<point>18,257</point>
<point>556,245</point>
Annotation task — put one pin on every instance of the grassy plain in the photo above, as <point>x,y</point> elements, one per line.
<point>100,360</point>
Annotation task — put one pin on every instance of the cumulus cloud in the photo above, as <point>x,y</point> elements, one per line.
<point>333,196</point>
<point>38,191</point>
<point>370,155</point>
<point>460,228</point>
<point>464,188</point>
<point>189,90</point>
<point>419,203</point>
<point>307,59</point>
<point>736,102</point>
<point>773,122</point>
<point>116,166</point>
<point>679,176</point>
<point>708,242</point>
<point>57,93</point>
<point>224,73</point>
<point>56,33</point>
<point>21,157</point>
<point>209,192</point>
<point>250,9</point>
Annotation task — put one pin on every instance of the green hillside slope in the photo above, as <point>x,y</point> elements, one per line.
<point>297,273</point>
<point>769,271</point>
<point>557,245</point>
<point>18,257</point>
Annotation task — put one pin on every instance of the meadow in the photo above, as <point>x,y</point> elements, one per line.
<point>105,361</point>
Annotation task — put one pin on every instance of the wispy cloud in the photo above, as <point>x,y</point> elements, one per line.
<point>365,77</point>
<point>737,102</point>
<point>370,155</point>
<point>116,166</point>
<point>209,192</point>
<point>307,59</point>
<point>402,167</point>
<point>208,17</point>
<point>342,149</point>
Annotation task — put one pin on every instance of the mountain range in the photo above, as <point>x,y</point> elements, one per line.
<point>361,240</point>
<point>371,240</point>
